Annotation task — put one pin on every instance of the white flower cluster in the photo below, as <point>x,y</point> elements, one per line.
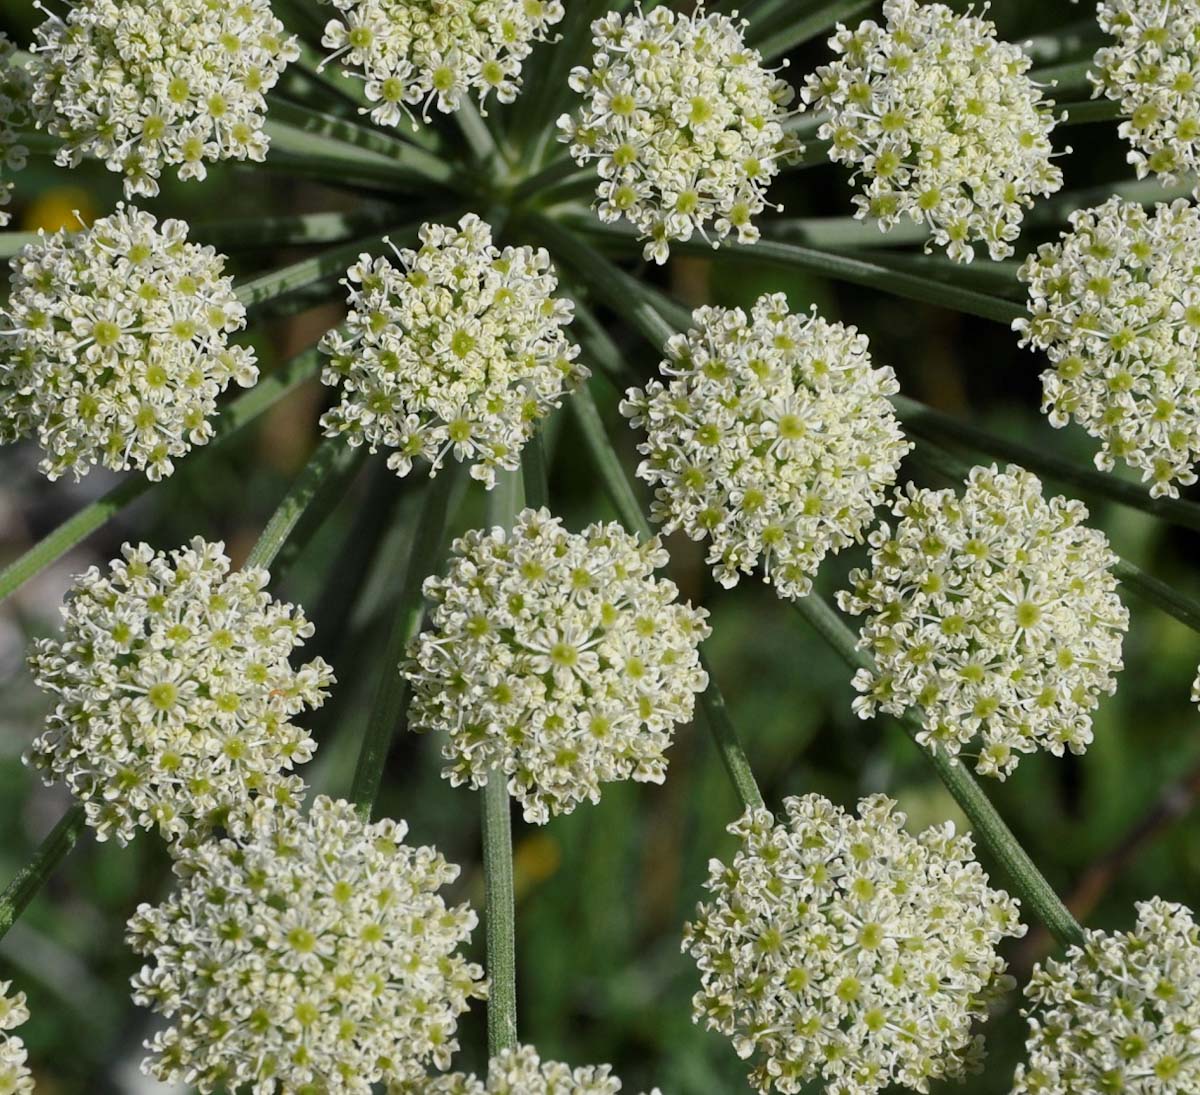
<point>996,614</point>
<point>772,436</point>
<point>15,115</point>
<point>942,121</point>
<point>314,956</point>
<point>1153,71</point>
<point>115,344</point>
<point>685,122</point>
<point>175,693</point>
<point>556,658</point>
<point>1119,1013</point>
<point>15,1077</point>
<point>1116,307</point>
<point>843,949</point>
<point>415,54</point>
<point>149,84</point>
<point>462,347</point>
<point>521,1071</point>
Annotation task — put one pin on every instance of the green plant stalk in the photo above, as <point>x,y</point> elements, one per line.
<point>505,501</point>
<point>1089,111</point>
<point>329,131</point>
<point>310,499</point>
<point>245,233</point>
<point>804,30</point>
<point>476,133</point>
<point>328,265</point>
<point>33,876</point>
<point>1029,883</point>
<point>934,426</point>
<point>322,469</point>
<point>624,499</point>
<point>534,476</point>
<point>424,556</point>
<point>93,516</point>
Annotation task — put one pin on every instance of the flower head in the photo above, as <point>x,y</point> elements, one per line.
<point>175,692</point>
<point>772,437</point>
<point>685,123</point>
<point>149,84</point>
<point>996,614</point>
<point>521,1072</point>
<point>1119,1013</point>
<point>415,54</point>
<point>14,117</point>
<point>462,347</point>
<point>1153,70</point>
<point>842,949</point>
<point>1116,307</point>
<point>943,123</point>
<point>116,345</point>
<point>313,955</point>
<point>556,658</point>
<point>15,1077</point>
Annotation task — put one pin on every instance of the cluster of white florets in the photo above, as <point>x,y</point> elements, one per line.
<point>842,949</point>
<point>149,84</point>
<point>314,955</point>
<point>521,1071</point>
<point>116,345</point>
<point>462,348</point>
<point>412,55</point>
<point>996,614</point>
<point>773,437</point>
<point>685,123</point>
<point>1119,1013</point>
<point>175,692</point>
<point>1153,71</point>
<point>15,116</point>
<point>942,121</point>
<point>1116,307</point>
<point>557,660</point>
<point>15,1077</point>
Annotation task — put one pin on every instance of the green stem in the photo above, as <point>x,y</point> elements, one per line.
<point>725,734</point>
<point>1029,883</point>
<point>326,266</point>
<point>1088,111</point>
<point>534,475</point>
<point>311,498</point>
<point>424,556</point>
<point>804,30</point>
<point>478,137</point>
<point>242,233</point>
<point>328,130</point>
<point>33,876</point>
<point>505,501</point>
<point>77,528</point>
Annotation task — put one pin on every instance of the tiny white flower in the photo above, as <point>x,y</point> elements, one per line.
<point>175,693</point>
<point>520,1071</point>
<point>145,85</point>
<point>15,1077</point>
<point>1153,70</point>
<point>115,344</point>
<point>996,615</point>
<point>1115,305</point>
<point>841,949</point>
<point>772,437</point>
<point>414,55</point>
<point>460,349</point>
<point>312,955</point>
<point>684,123</point>
<point>1119,1013</point>
<point>557,659</point>
<point>943,123</point>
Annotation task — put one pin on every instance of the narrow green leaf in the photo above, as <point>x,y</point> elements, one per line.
<point>33,876</point>
<point>805,29</point>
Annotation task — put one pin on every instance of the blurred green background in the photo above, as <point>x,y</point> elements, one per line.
<point>602,893</point>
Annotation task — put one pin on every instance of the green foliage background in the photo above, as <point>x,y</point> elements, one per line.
<point>601,894</point>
